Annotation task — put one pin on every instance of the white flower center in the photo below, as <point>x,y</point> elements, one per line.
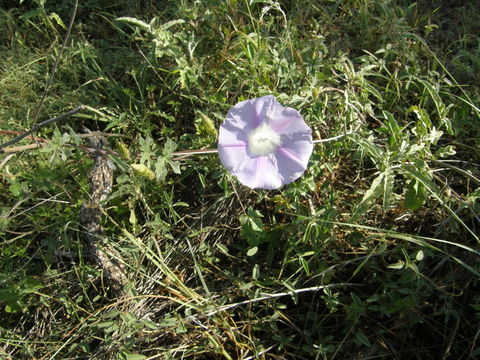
<point>263,140</point>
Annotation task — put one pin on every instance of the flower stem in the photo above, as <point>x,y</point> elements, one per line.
<point>194,152</point>
<point>332,138</point>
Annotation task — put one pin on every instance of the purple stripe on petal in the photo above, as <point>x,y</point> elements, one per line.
<point>287,120</point>
<point>257,105</point>
<point>290,155</point>
<point>256,121</point>
<point>280,127</point>
<point>260,164</point>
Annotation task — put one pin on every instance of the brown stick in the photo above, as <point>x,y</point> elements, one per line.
<point>104,254</point>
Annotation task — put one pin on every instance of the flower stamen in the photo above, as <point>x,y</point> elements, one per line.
<point>263,140</point>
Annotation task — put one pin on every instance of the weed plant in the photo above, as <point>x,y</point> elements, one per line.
<point>372,254</point>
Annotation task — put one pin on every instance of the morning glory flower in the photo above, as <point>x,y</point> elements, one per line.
<point>264,144</point>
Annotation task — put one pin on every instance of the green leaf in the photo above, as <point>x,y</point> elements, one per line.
<point>256,272</point>
<point>397,266</point>
<point>161,169</point>
<point>362,339</point>
<point>420,255</point>
<point>169,147</point>
<point>181,204</point>
<point>123,150</point>
<point>252,228</point>
<point>131,356</point>
<point>421,173</point>
<point>445,151</point>
<point>134,21</point>
<point>222,248</point>
<point>171,23</point>
<point>147,147</point>
<point>424,123</point>
<point>376,153</point>
<point>57,19</point>
<point>105,324</point>
<point>393,128</point>
<point>206,125</point>
<point>433,136</point>
<point>143,171</point>
<point>370,195</point>
<point>175,165</point>
<point>203,180</point>
<point>387,183</point>
<point>30,284</point>
<point>133,216</point>
<point>18,188</point>
<point>252,251</point>
<point>12,308</point>
<point>442,110</point>
<point>415,195</point>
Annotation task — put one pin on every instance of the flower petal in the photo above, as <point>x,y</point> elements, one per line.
<point>248,114</point>
<point>230,135</point>
<point>292,157</point>
<point>232,155</point>
<point>286,120</point>
<point>259,172</point>
<point>299,145</point>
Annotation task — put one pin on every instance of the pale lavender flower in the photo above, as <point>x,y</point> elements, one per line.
<point>264,144</point>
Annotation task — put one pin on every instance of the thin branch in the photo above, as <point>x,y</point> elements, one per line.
<point>274,296</point>
<point>90,149</point>
<point>42,124</point>
<point>328,88</point>
<point>4,161</point>
<point>15,149</point>
<point>195,152</point>
<point>95,150</point>
<point>57,62</point>
<point>257,355</point>
<point>10,132</point>
<point>99,133</point>
<point>333,138</point>
<point>457,169</point>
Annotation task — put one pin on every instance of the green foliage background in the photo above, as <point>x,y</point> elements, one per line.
<point>372,253</point>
